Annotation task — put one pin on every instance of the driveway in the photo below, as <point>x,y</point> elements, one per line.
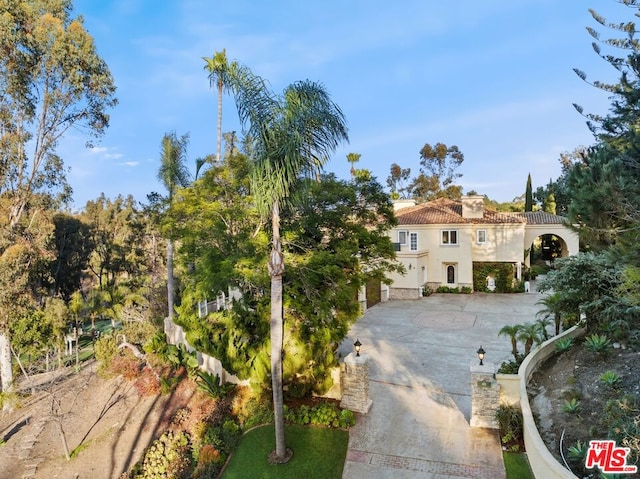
<point>420,382</point>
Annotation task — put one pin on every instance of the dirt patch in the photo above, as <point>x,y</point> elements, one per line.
<point>575,375</point>
<point>105,421</point>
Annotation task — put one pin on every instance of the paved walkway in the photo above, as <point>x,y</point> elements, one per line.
<point>420,384</point>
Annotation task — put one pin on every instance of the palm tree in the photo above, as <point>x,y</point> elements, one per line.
<point>529,333</point>
<point>220,75</point>
<point>542,324</point>
<point>173,174</point>
<point>512,332</point>
<point>552,308</point>
<point>353,158</point>
<point>293,135</point>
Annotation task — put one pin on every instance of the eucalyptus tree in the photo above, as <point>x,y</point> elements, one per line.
<point>293,135</point>
<point>397,180</point>
<point>173,174</point>
<point>51,80</point>
<point>221,74</point>
<point>438,172</point>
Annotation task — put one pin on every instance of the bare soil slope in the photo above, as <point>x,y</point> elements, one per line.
<point>575,374</point>
<point>105,421</point>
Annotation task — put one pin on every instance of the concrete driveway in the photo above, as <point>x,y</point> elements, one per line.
<point>420,382</point>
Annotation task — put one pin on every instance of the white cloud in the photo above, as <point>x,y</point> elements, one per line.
<point>96,150</point>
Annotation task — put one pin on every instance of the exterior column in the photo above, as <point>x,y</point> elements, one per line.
<point>485,396</point>
<point>355,383</point>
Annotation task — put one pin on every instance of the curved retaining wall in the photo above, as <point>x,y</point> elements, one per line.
<point>543,464</point>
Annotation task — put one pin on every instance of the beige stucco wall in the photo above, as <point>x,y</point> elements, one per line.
<point>505,243</point>
<point>429,264</point>
<point>570,239</point>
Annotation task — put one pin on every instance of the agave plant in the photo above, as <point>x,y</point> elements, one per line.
<point>571,406</point>
<point>610,378</point>
<point>597,343</point>
<point>564,344</point>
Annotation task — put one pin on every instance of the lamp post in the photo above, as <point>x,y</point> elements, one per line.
<point>357,345</point>
<point>481,353</point>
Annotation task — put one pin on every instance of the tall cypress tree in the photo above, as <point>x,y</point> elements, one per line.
<point>528,196</point>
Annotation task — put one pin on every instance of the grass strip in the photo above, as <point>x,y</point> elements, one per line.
<point>517,465</point>
<point>318,453</point>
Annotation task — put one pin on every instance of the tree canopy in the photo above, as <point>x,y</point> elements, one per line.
<point>51,79</point>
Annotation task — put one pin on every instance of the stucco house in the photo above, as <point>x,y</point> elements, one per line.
<point>438,242</point>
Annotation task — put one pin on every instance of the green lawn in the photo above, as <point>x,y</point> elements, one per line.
<point>517,466</point>
<point>318,453</point>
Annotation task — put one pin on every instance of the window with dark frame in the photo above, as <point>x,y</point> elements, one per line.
<point>413,241</point>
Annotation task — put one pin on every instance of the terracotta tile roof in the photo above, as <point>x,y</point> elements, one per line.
<point>445,211</point>
<point>540,218</point>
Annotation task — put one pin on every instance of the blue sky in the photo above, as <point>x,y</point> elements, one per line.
<point>493,77</point>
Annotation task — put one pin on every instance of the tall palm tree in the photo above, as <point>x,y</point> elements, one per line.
<point>293,134</point>
<point>220,75</point>
<point>173,174</point>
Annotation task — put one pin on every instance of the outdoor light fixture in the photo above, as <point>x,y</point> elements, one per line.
<point>481,355</point>
<point>357,345</point>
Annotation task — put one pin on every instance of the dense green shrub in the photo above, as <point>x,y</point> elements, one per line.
<point>105,350</point>
<point>454,290</point>
<point>324,414</point>
<point>503,273</point>
<point>509,367</point>
<point>510,422</point>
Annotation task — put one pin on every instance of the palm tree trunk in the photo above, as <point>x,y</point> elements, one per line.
<point>170,281</point>
<point>219,142</point>
<point>276,269</point>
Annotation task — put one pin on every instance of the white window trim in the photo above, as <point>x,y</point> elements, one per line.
<point>478,236</point>
<point>442,243</point>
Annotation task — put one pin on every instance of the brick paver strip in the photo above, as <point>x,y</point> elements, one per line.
<point>424,465</point>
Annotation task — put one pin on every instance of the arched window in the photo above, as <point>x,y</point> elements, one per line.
<point>451,274</point>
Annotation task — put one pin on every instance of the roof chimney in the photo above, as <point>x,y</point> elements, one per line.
<point>472,206</point>
<point>403,203</point>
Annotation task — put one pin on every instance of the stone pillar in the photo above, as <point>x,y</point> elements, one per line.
<point>485,396</point>
<point>355,383</point>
